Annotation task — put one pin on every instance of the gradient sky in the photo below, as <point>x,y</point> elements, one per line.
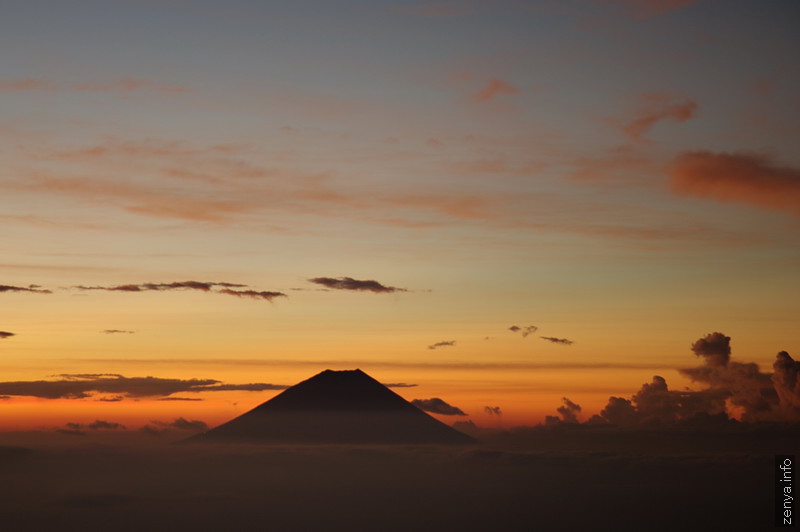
<point>623,174</point>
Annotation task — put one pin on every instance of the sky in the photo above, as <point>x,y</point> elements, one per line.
<point>230,198</point>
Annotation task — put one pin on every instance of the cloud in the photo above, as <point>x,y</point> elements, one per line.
<point>643,9</point>
<point>81,386</point>
<point>348,283</point>
<point>737,177</point>
<point>252,294</point>
<point>124,85</point>
<point>96,425</point>
<point>179,399</point>
<point>786,380</point>
<point>204,286</point>
<point>568,411</point>
<point>526,331</point>
<point>734,390</point>
<point>450,343</point>
<point>161,427</point>
<point>555,340</point>
<point>494,88</point>
<point>6,334</point>
<point>399,385</point>
<point>117,331</point>
<point>656,108</point>
<point>493,410</point>
<point>437,9</point>
<point>714,347</point>
<point>35,288</point>
<point>436,405</point>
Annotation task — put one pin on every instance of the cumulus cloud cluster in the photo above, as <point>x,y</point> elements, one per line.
<point>733,390</point>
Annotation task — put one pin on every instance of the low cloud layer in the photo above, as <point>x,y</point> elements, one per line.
<point>35,288</point>
<point>554,340</point>
<point>436,405</point>
<point>348,283</point>
<point>437,345</point>
<point>82,386</point>
<point>159,428</point>
<point>737,178</point>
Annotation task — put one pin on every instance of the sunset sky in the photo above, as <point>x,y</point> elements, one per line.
<point>193,189</point>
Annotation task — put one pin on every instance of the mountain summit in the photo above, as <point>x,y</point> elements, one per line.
<point>336,407</point>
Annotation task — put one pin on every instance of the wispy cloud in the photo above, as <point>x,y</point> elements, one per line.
<point>493,410</point>
<point>644,9</point>
<point>655,108</point>
<point>737,177</point>
<point>437,345</point>
<point>35,288</point>
<point>124,85</point>
<point>494,88</point>
<point>348,283</point>
<point>203,286</point>
<point>6,334</point>
<point>118,331</point>
<point>555,340</point>
<point>437,9</point>
<point>435,405</point>
<point>86,385</point>
<point>252,294</point>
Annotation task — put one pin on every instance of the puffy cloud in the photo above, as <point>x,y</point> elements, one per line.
<point>553,339</point>
<point>6,334</point>
<point>734,390</point>
<point>437,345</point>
<point>81,386</point>
<point>656,108</point>
<point>348,283</point>
<point>715,347</point>
<point>35,288</point>
<point>737,177</point>
<point>786,380</point>
<point>568,411</point>
<point>436,405</point>
<point>526,331</point>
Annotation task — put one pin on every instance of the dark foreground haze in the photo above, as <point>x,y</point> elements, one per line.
<point>539,479</point>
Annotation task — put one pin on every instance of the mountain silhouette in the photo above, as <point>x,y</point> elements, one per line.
<point>336,407</point>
